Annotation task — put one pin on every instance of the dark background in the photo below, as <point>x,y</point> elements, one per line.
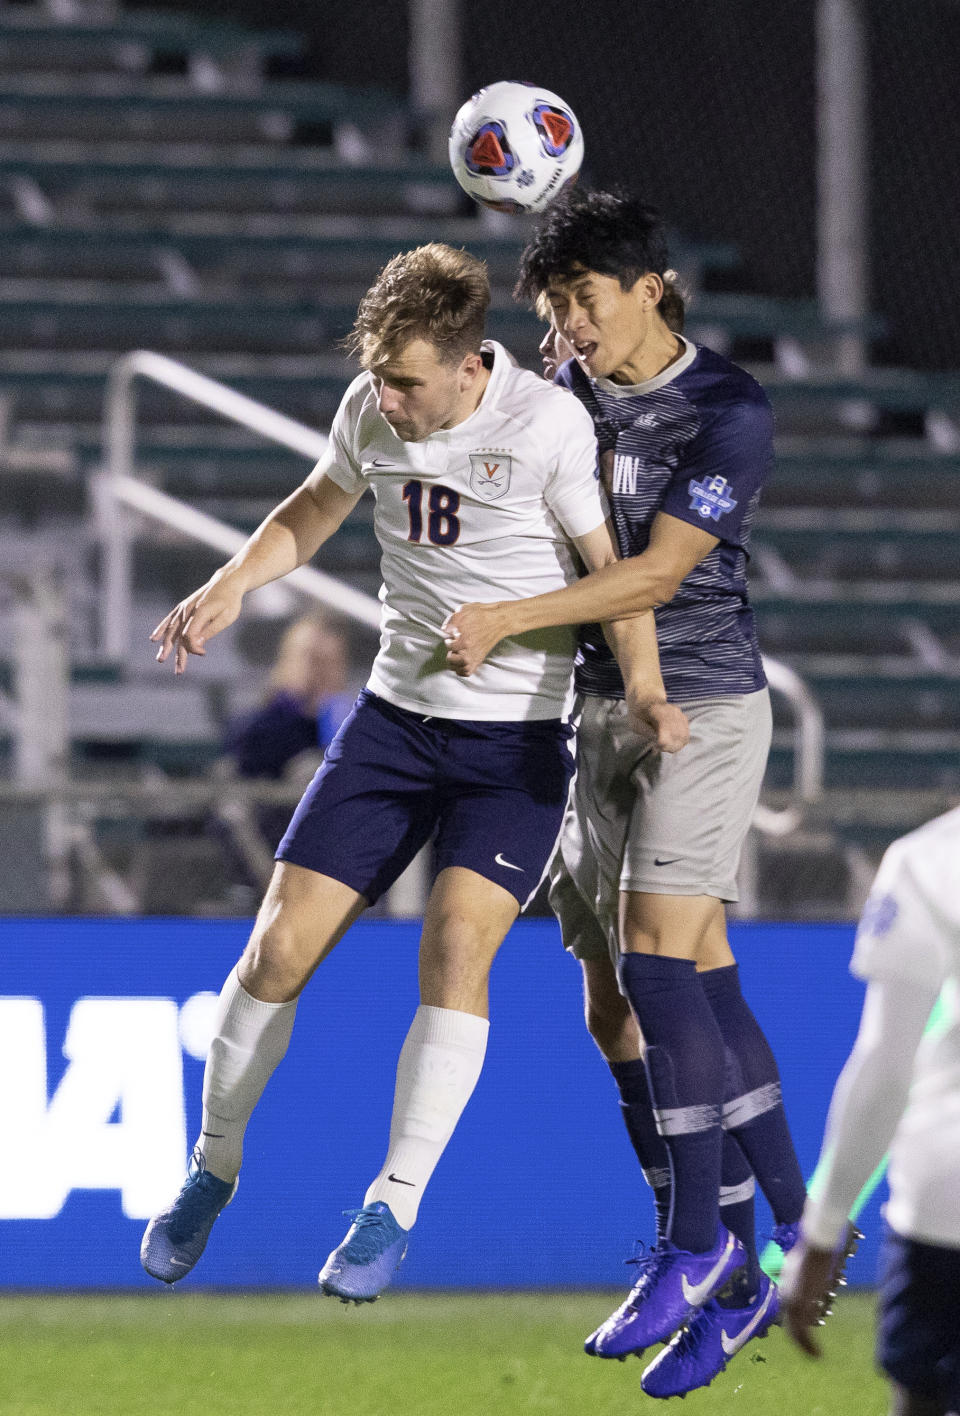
<point>709,105</point>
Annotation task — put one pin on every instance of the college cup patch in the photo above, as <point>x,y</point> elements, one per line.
<point>710,498</point>
<point>490,474</point>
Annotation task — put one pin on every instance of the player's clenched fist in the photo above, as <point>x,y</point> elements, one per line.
<point>471,632</point>
<point>667,721</point>
<point>188,626</point>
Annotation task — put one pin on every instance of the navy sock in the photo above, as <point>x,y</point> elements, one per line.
<point>753,1105</point>
<point>684,1060</point>
<point>737,1190</point>
<point>637,1110</point>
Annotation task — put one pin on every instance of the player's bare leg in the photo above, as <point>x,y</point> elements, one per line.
<point>607,1013</point>
<point>466,920</point>
<point>302,917</point>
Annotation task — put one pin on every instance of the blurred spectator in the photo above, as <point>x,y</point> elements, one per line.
<point>307,700</point>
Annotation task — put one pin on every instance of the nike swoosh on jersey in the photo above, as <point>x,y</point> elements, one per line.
<point>696,1294</point>
<point>732,1345</point>
<point>666,862</point>
<point>499,860</point>
<point>379,462</point>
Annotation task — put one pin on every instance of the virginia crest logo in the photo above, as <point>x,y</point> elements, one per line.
<point>490,474</point>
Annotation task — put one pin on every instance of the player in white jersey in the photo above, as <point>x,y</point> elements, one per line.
<point>900,1088</point>
<point>483,477</point>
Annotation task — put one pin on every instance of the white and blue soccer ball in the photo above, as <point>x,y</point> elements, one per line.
<point>514,146</point>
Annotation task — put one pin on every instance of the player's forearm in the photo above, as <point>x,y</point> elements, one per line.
<point>867,1103</point>
<point>634,645</point>
<point>627,587</point>
<point>863,1117</point>
<point>289,537</point>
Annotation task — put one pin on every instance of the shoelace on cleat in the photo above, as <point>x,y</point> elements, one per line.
<point>688,1336</point>
<point>649,1264</point>
<point>368,1241</point>
<point>786,1235</point>
<point>196,1170</point>
<point>192,1205</point>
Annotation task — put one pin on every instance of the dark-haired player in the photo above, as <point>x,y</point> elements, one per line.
<point>651,845</point>
<point>483,476</point>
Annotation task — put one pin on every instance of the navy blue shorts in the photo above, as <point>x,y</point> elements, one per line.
<point>491,795</point>
<point>918,1319</point>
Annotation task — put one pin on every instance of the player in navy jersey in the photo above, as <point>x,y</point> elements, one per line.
<point>483,476</point>
<point>622,1048</point>
<point>650,847</point>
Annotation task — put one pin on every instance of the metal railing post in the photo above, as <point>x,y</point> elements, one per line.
<point>117,492</point>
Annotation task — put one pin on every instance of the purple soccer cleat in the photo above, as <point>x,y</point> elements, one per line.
<point>714,1335</point>
<point>672,1285</point>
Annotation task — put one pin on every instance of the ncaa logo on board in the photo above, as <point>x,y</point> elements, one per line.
<point>490,475</point>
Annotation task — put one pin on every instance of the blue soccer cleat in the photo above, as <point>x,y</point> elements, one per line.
<point>672,1285</point>
<point>360,1268</point>
<point>714,1335</point>
<point>174,1240</point>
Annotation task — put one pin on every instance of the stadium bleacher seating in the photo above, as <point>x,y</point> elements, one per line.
<point>161,188</point>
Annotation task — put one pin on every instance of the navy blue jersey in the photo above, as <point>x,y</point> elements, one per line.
<point>695,442</point>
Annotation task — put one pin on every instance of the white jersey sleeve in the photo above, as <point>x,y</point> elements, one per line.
<point>341,462</point>
<point>573,491</point>
<point>910,926</point>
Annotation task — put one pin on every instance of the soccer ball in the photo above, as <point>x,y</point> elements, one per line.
<point>514,146</point>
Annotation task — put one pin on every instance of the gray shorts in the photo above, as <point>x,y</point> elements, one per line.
<point>656,823</point>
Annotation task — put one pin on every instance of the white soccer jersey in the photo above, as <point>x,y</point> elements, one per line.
<point>479,512</point>
<point>911,930</point>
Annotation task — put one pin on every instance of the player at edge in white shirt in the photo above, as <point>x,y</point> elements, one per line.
<point>483,476</point>
<point>900,1088</point>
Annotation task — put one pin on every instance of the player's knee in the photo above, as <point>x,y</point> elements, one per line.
<point>458,948</point>
<point>275,965</point>
<point>458,934</point>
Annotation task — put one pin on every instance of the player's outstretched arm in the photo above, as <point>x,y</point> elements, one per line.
<point>626,587</point>
<point>292,534</point>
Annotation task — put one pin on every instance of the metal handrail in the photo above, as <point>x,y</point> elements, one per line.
<point>117,491</point>
<point>808,752</point>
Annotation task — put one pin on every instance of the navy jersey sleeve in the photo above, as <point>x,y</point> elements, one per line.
<point>723,467</point>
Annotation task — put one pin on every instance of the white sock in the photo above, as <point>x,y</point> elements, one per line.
<point>440,1063</point>
<point>251,1038</point>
